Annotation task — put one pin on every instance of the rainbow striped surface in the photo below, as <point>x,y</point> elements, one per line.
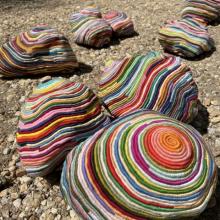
<point>42,50</point>
<point>153,81</point>
<point>206,10</point>
<point>55,118</point>
<point>91,11</point>
<point>141,166</point>
<point>122,26</point>
<point>187,38</point>
<point>90,30</point>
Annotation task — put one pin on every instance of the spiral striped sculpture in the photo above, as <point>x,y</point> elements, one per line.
<point>91,11</point>
<point>152,81</point>
<point>141,166</point>
<point>55,118</point>
<point>122,25</point>
<point>187,37</point>
<point>90,31</point>
<point>40,51</point>
<point>206,10</point>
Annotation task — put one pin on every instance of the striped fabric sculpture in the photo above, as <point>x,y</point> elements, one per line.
<point>152,81</point>
<point>91,11</point>
<point>122,25</point>
<point>40,51</point>
<point>55,118</point>
<point>90,30</point>
<point>187,37</point>
<point>206,10</point>
<point>141,166</point>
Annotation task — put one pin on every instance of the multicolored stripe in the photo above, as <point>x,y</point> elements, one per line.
<point>90,31</point>
<point>187,38</point>
<point>144,165</point>
<point>91,11</point>
<point>152,81</point>
<point>206,10</point>
<point>121,24</point>
<point>40,51</point>
<point>55,118</point>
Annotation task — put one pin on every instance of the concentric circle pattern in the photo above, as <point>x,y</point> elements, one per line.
<point>153,81</point>
<point>41,50</point>
<point>206,10</point>
<point>121,24</point>
<point>187,38</point>
<point>141,166</point>
<point>55,118</point>
<point>90,31</point>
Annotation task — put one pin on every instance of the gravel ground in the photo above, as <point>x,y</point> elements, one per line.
<point>22,197</point>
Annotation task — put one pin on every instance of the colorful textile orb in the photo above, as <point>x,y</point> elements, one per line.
<point>206,10</point>
<point>153,81</point>
<point>55,118</point>
<point>120,23</point>
<point>141,166</point>
<point>91,11</point>
<point>40,51</point>
<point>90,31</point>
<point>187,38</point>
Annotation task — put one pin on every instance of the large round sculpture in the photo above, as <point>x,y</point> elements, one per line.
<point>41,50</point>
<point>90,30</point>
<point>141,166</point>
<point>206,10</point>
<point>58,116</point>
<point>187,38</point>
<point>153,81</point>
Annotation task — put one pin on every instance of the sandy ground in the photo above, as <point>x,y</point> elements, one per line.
<point>22,197</point>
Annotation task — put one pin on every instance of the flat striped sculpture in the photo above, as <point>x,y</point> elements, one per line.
<point>152,81</point>
<point>121,24</point>
<point>55,118</point>
<point>187,38</point>
<point>42,50</point>
<point>141,166</point>
<point>90,30</point>
<point>91,11</point>
<point>206,10</point>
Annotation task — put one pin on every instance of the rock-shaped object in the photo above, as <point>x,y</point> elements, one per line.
<point>187,38</point>
<point>91,11</point>
<point>206,10</point>
<point>121,24</point>
<point>141,166</point>
<point>55,118</point>
<point>90,31</point>
<point>42,50</point>
<point>153,81</point>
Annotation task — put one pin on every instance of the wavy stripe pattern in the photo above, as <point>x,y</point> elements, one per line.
<point>42,50</point>
<point>90,31</point>
<point>121,24</point>
<point>55,118</point>
<point>152,81</point>
<point>206,10</point>
<point>187,38</point>
<point>144,165</point>
<point>91,11</point>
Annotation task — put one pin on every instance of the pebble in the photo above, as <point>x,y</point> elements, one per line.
<point>17,203</point>
<point>45,79</point>
<point>215,120</point>
<point>11,138</point>
<point>26,179</point>
<point>54,211</point>
<point>73,215</point>
<point>6,151</point>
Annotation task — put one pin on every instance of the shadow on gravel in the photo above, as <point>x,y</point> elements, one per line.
<point>213,213</point>
<point>82,69</point>
<point>54,177</point>
<point>201,122</point>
